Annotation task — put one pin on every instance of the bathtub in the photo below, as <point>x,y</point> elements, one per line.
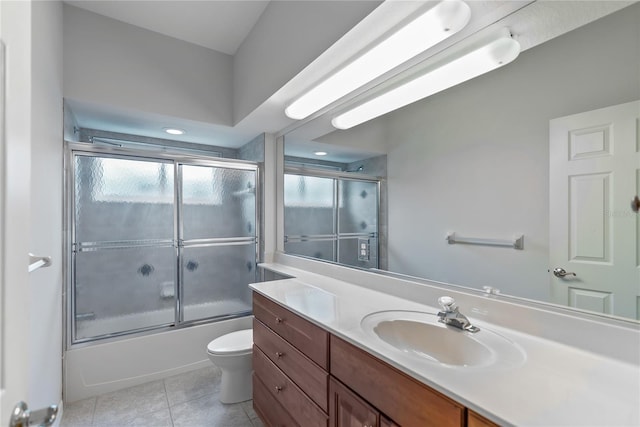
<point>102,367</point>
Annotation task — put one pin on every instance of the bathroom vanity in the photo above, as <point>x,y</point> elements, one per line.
<point>325,355</point>
<point>306,376</point>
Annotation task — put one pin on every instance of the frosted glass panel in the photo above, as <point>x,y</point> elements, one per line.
<point>216,280</point>
<point>320,249</point>
<point>122,199</point>
<point>308,205</point>
<point>118,290</point>
<point>218,202</point>
<point>358,207</point>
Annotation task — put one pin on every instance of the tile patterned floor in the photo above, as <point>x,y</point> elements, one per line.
<point>185,400</point>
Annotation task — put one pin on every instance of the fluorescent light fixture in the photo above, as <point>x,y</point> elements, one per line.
<point>320,153</point>
<point>426,30</point>
<point>174,131</point>
<point>491,55</point>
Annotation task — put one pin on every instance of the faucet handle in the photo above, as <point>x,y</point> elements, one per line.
<point>448,304</point>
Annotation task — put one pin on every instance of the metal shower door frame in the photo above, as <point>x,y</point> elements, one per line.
<point>73,149</point>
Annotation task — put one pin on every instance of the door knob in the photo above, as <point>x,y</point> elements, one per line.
<point>23,417</point>
<point>635,204</point>
<point>561,272</point>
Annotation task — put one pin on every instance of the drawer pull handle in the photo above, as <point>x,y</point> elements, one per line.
<point>279,355</point>
<point>279,320</point>
<point>278,389</point>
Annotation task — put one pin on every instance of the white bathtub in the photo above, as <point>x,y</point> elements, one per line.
<point>100,368</point>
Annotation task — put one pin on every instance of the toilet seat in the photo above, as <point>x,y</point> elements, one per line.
<point>238,342</point>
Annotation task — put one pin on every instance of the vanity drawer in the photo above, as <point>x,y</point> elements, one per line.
<point>402,398</point>
<point>268,408</point>
<point>301,408</point>
<point>311,378</point>
<point>304,335</point>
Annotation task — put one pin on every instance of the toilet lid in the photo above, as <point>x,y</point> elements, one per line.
<point>234,342</point>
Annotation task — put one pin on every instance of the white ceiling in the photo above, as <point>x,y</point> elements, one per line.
<point>221,25</point>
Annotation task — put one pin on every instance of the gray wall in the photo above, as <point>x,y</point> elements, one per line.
<point>45,238</point>
<point>110,62</point>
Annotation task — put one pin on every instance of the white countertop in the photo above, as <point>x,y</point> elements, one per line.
<point>554,384</point>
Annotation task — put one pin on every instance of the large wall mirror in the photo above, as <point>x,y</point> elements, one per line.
<point>545,147</point>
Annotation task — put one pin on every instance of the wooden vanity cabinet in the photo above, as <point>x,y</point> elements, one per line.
<point>402,398</point>
<point>476,420</point>
<point>290,359</point>
<point>304,376</point>
<point>346,409</point>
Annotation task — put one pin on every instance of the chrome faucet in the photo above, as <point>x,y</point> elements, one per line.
<point>451,316</point>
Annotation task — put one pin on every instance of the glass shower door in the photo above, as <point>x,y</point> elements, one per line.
<point>123,254</point>
<point>218,247</point>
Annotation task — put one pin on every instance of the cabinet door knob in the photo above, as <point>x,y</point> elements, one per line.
<point>279,354</point>
<point>279,320</point>
<point>278,389</point>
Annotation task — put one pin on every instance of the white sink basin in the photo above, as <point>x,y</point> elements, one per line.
<point>420,335</point>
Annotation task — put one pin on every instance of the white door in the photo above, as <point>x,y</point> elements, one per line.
<point>15,185</point>
<point>594,175</point>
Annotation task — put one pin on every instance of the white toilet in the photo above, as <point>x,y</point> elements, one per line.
<point>232,354</point>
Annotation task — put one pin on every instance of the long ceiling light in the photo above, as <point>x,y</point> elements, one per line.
<point>489,56</point>
<point>426,30</point>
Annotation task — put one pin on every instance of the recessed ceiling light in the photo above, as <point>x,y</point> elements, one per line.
<point>320,153</point>
<point>174,131</point>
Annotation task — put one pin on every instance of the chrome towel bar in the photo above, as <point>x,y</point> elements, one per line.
<point>516,243</point>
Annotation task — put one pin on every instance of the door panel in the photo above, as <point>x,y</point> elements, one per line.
<point>215,280</point>
<point>122,199</point>
<point>217,202</point>
<point>15,181</point>
<point>594,174</point>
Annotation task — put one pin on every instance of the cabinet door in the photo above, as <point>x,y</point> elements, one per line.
<point>476,420</point>
<point>386,422</point>
<point>346,409</point>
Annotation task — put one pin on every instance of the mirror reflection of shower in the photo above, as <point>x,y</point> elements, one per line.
<point>333,205</point>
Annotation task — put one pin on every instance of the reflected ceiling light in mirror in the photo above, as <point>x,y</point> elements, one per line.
<point>174,131</point>
<point>490,55</point>
<point>426,30</point>
<point>320,153</point>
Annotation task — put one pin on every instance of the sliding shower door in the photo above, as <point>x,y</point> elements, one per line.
<point>157,242</point>
<point>218,244</point>
<point>123,249</point>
